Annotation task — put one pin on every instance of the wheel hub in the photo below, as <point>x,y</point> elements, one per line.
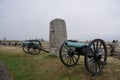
<point>70,53</point>
<point>98,56</point>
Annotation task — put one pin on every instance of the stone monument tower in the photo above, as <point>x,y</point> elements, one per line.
<point>57,36</point>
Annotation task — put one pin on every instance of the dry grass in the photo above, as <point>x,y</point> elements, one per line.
<point>46,67</point>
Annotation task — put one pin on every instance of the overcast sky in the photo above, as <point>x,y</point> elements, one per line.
<point>85,19</point>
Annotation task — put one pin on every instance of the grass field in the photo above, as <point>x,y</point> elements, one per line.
<point>43,66</point>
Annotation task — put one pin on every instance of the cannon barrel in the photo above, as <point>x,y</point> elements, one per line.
<point>28,42</point>
<point>25,42</point>
<point>75,44</point>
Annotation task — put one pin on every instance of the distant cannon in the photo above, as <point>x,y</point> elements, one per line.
<point>33,47</point>
<point>95,54</point>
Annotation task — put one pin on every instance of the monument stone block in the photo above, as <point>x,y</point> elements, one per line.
<point>57,36</point>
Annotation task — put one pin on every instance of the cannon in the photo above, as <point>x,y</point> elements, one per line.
<point>31,47</point>
<point>95,54</point>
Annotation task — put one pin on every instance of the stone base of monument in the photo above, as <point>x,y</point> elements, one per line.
<point>53,51</point>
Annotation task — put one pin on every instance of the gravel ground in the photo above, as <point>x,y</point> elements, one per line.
<point>4,74</point>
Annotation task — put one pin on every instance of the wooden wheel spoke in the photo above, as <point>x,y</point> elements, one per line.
<point>64,51</point>
<point>66,47</point>
<point>96,46</point>
<point>70,60</point>
<point>100,46</point>
<point>73,59</point>
<point>99,66</point>
<point>67,60</point>
<point>96,66</point>
<point>65,57</point>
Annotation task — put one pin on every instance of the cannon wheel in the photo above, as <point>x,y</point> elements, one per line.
<point>96,56</point>
<point>25,48</point>
<point>34,49</point>
<point>67,55</point>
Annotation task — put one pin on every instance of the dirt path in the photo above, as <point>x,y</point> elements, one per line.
<point>4,75</point>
